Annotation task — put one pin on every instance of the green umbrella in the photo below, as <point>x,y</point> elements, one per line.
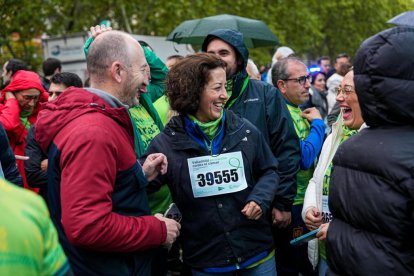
<point>255,32</point>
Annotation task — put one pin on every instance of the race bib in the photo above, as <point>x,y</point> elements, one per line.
<point>326,214</point>
<point>217,175</point>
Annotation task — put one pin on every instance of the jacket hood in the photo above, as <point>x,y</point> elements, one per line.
<point>384,77</point>
<point>232,37</point>
<point>23,80</point>
<point>72,104</point>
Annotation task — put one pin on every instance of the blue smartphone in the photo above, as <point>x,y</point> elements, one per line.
<point>304,238</point>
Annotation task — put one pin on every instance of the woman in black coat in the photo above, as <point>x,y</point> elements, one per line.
<point>372,183</point>
<point>221,173</point>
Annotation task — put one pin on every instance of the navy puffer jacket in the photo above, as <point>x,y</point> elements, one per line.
<point>372,184</point>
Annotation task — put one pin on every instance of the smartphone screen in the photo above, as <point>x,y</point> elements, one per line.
<point>173,212</point>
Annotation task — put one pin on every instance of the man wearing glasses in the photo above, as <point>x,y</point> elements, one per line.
<point>96,186</point>
<point>19,106</point>
<point>291,77</point>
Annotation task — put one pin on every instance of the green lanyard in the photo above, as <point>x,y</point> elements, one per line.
<point>246,81</point>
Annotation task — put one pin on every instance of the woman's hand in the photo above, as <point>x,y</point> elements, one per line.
<point>252,210</point>
<point>313,218</point>
<point>323,230</point>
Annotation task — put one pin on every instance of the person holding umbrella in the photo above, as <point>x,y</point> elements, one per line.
<point>262,105</point>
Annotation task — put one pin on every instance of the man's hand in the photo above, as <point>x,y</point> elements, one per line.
<point>173,229</point>
<point>98,29</point>
<point>321,235</point>
<point>252,210</point>
<point>43,165</point>
<point>311,113</point>
<point>154,164</point>
<point>281,219</point>
<point>9,95</point>
<point>313,218</point>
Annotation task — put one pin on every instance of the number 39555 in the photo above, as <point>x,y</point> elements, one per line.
<point>217,177</point>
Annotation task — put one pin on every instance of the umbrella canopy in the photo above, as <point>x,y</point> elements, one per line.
<point>403,19</point>
<point>256,33</point>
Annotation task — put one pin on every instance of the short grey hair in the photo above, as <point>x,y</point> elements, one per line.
<point>280,69</point>
<point>105,50</point>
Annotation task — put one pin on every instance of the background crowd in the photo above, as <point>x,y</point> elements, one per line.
<point>252,159</point>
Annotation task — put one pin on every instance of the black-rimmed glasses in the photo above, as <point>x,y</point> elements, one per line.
<point>301,80</point>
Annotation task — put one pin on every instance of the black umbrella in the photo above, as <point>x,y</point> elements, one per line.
<point>403,19</point>
<point>255,32</point>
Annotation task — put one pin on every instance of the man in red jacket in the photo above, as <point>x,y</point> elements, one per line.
<point>96,187</point>
<point>19,105</point>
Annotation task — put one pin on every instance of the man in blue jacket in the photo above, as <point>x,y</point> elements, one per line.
<point>263,106</point>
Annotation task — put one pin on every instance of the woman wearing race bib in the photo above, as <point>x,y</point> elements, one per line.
<point>315,210</point>
<point>221,173</point>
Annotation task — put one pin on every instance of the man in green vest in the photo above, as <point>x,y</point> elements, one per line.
<point>291,77</point>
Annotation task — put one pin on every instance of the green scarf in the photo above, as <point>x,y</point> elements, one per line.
<point>209,128</point>
<point>24,119</point>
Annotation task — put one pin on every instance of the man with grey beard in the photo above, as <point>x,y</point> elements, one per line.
<point>96,188</point>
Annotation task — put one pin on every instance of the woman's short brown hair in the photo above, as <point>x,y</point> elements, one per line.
<point>187,79</point>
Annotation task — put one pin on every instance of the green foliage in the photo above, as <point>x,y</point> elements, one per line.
<point>18,28</point>
<point>312,28</point>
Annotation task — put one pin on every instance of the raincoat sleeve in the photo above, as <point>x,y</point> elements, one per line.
<point>36,177</point>
<point>159,71</point>
<point>265,168</point>
<point>311,146</point>
<point>8,161</point>
<point>87,181</point>
<point>285,146</point>
<point>9,115</point>
<point>157,145</point>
